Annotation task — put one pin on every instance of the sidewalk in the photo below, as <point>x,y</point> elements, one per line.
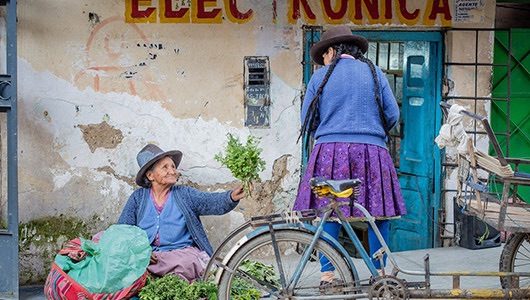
<point>451,259</point>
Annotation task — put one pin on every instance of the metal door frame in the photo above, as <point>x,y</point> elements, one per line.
<point>8,105</point>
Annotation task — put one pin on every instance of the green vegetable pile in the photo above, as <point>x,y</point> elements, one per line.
<point>172,287</point>
<point>261,271</point>
<point>243,160</point>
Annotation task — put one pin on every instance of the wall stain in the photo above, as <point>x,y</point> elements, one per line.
<point>93,18</point>
<point>98,49</point>
<point>101,135</point>
<point>129,180</point>
<point>261,198</point>
<point>46,116</point>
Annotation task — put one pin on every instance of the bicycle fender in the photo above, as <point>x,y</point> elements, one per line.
<point>292,226</point>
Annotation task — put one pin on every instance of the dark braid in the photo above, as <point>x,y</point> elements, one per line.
<point>312,114</point>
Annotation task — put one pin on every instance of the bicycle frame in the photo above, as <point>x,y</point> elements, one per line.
<point>302,220</point>
<point>293,220</point>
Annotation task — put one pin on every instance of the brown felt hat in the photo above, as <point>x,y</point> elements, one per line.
<point>336,35</point>
<point>149,155</point>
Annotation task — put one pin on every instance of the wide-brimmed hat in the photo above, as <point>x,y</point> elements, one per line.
<point>336,35</point>
<point>149,155</point>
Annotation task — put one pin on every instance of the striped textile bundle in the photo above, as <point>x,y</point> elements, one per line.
<point>60,286</point>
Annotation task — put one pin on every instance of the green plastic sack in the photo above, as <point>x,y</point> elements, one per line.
<point>119,258</point>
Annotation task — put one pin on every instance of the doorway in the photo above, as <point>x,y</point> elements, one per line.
<point>412,62</point>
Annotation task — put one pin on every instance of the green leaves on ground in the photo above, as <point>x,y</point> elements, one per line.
<point>243,160</point>
<point>172,287</point>
<point>261,271</point>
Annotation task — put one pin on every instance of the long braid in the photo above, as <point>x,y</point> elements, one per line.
<point>312,113</point>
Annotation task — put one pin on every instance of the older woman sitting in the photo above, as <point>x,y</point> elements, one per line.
<point>170,214</point>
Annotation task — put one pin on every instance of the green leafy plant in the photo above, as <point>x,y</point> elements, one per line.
<point>261,271</point>
<point>243,290</point>
<point>243,160</point>
<point>172,287</point>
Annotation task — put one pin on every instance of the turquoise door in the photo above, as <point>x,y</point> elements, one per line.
<point>417,172</point>
<point>412,62</point>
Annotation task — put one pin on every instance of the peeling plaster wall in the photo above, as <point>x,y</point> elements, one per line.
<point>93,90</point>
<point>102,88</point>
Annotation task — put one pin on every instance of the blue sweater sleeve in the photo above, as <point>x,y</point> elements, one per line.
<point>206,203</point>
<point>194,204</point>
<point>129,212</point>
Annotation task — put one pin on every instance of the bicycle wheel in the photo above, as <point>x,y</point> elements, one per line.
<point>260,249</point>
<point>515,257</point>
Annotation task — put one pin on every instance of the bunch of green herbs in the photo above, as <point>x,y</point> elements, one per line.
<point>243,160</point>
<point>261,271</point>
<point>172,287</point>
<point>243,290</point>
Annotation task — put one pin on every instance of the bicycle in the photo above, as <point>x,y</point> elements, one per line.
<point>291,245</point>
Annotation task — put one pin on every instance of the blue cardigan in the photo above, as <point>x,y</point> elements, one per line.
<point>191,202</point>
<point>348,111</point>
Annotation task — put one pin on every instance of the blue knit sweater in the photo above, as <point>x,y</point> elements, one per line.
<point>191,202</point>
<point>347,105</point>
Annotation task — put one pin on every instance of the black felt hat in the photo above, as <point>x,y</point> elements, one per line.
<point>336,35</point>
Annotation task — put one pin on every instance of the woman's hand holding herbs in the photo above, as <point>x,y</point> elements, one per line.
<point>238,193</point>
<point>243,160</point>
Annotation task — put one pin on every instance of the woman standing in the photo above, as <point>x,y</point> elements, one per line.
<point>349,108</point>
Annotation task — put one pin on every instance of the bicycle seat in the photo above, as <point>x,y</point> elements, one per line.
<point>337,186</point>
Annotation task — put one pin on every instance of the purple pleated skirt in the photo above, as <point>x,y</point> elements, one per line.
<point>380,192</point>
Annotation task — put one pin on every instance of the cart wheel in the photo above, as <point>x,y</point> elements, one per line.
<point>515,257</point>
<point>388,287</point>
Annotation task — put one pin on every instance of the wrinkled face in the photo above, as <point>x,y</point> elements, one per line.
<point>163,173</point>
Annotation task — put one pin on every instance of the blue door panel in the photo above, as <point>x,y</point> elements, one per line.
<point>413,230</point>
<point>418,109</point>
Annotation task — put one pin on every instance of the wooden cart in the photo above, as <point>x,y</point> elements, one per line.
<point>487,187</point>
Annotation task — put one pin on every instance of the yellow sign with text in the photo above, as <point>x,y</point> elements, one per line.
<point>362,12</point>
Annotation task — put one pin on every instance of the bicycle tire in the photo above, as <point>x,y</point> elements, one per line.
<point>260,249</point>
<point>515,257</point>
